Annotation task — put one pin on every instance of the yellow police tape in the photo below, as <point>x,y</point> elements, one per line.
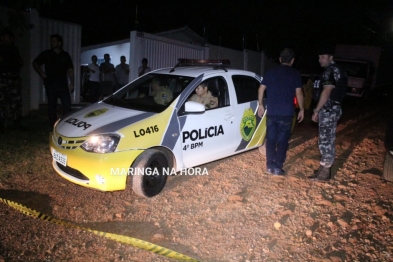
<point>119,238</point>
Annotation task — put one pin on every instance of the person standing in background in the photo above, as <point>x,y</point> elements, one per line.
<point>107,70</point>
<point>143,69</point>
<point>122,71</point>
<point>94,80</point>
<point>58,65</point>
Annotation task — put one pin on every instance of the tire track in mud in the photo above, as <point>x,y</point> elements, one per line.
<point>348,135</point>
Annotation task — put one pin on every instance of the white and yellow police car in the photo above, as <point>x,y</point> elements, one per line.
<point>138,135</point>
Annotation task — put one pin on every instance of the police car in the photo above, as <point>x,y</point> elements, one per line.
<point>128,139</point>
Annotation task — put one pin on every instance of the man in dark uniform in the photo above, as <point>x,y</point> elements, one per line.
<point>10,84</point>
<point>58,65</point>
<point>332,89</point>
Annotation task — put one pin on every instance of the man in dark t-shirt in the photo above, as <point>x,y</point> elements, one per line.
<point>281,83</point>
<point>58,65</point>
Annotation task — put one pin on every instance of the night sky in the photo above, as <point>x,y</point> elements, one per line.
<point>268,25</point>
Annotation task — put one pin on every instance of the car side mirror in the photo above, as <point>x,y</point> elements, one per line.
<point>194,107</point>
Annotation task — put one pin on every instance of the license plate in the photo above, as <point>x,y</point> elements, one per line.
<point>60,158</point>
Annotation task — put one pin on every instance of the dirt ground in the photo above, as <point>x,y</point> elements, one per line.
<point>236,213</point>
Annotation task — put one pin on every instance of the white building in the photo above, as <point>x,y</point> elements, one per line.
<point>164,49</point>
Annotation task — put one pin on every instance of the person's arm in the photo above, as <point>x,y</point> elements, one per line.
<point>261,108</point>
<point>126,69</point>
<point>90,70</point>
<point>70,72</point>
<point>212,103</point>
<point>300,101</point>
<point>141,71</point>
<point>322,101</point>
<point>38,69</point>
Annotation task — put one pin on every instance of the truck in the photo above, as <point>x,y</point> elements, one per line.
<point>361,65</point>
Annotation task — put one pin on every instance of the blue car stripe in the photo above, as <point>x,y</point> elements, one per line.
<point>170,137</point>
<point>112,127</point>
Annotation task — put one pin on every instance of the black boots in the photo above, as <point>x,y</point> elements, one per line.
<point>321,174</point>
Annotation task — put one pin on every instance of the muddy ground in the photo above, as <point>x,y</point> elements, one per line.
<point>236,213</point>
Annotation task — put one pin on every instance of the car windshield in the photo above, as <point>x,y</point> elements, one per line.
<point>150,93</point>
<point>354,69</point>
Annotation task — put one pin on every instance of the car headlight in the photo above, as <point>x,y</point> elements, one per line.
<point>101,144</point>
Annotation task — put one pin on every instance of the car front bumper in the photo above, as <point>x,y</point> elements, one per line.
<point>105,172</point>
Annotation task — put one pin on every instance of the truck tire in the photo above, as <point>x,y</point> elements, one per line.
<point>388,167</point>
<point>153,179</point>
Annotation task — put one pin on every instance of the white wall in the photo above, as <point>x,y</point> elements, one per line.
<point>161,52</point>
<point>164,52</point>
<point>236,57</point>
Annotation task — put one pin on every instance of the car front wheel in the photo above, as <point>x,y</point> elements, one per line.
<point>150,173</point>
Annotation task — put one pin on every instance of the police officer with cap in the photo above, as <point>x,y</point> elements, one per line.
<point>332,89</point>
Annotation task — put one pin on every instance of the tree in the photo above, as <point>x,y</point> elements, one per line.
<point>16,20</point>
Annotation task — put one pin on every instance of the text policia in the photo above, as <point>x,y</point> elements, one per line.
<point>197,171</point>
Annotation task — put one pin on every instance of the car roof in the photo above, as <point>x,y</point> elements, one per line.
<point>194,71</point>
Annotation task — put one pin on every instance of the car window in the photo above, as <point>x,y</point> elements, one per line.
<point>246,88</point>
<point>150,93</point>
<point>218,88</point>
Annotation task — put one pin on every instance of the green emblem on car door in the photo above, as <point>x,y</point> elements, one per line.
<point>248,124</point>
<point>96,112</point>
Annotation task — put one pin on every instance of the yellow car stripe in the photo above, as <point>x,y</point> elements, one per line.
<point>259,134</point>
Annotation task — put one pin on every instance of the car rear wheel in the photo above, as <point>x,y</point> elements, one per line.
<point>149,177</point>
<point>388,167</point>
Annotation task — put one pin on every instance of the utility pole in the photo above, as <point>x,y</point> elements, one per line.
<point>136,18</point>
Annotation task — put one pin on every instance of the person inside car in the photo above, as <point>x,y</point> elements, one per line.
<point>204,96</point>
<point>161,94</point>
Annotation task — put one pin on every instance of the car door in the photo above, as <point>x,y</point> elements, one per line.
<point>251,129</point>
<point>208,136</point>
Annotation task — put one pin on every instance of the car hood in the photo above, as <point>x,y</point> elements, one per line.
<point>98,118</point>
